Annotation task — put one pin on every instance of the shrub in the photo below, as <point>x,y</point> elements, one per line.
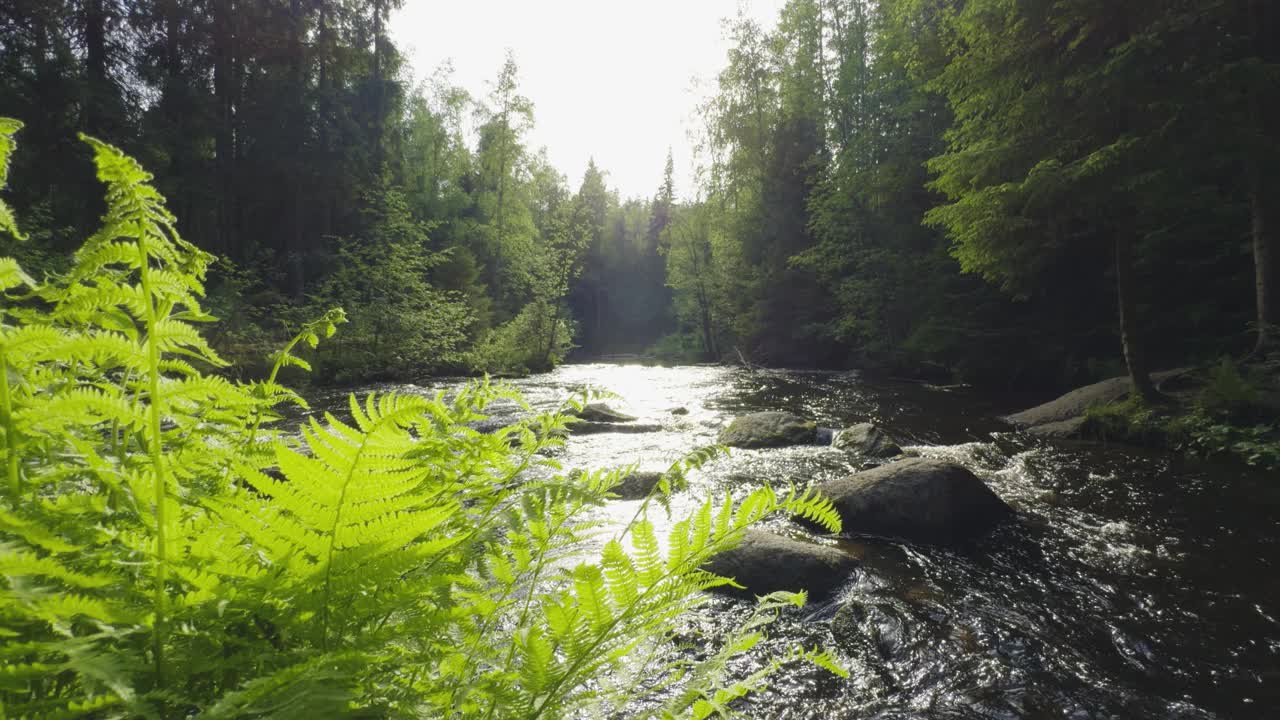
<point>535,340</point>
<point>1228,393</point>
<point>166,553</point>
<point>678,347</point>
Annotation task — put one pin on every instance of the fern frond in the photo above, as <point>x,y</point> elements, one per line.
<point>812,506</point>
<point>8,128</point>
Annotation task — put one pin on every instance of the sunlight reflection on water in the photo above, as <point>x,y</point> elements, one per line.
<point>1130,588</point>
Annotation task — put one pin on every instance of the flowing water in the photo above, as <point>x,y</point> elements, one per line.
<point>1134,585</point>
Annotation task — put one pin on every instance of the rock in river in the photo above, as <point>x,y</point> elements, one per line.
<point>637,485</point>
<point>769,429</point>
<point>766,563</point>
<point>582,427</point>
<point>1065,416</point>
<point>866,439</point>
<point>601,413</point>
<point>918,500</point>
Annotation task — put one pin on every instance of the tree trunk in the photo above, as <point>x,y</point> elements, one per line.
<point>1130,337</point>
<point>708,337</point>
<point>298,131</point>
<point>379,101</point>
<point>224,134</point>
<point>1265,23</point>
<point>325,115</point>
<point>95,36</point>
<point>551,339</point>
<point>1264,264</point>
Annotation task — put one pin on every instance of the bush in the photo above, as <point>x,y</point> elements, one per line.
<point>1256,445</point>
<point>1228,393</point>
<point>678,347</point>
<point>536,340</point>
<point>167,553</point>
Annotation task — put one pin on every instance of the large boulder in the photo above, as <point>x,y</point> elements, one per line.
<point>918,500</point>
<point>866,439</point>
<point>1064,416</point>
<point>766,562</point>
<point>769,429</point>
<point>601,413</point>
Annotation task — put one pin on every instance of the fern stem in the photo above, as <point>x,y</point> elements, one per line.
<point>161,485</point>
<point>271,381</point>
<point>333,541</point>
<point>10,437</point>
<point>528,599</point>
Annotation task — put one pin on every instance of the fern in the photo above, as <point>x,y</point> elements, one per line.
<point>165,551</point>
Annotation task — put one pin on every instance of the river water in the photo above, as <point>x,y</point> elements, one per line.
<point>1134,585</point>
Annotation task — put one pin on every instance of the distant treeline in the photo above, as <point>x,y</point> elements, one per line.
<point>1006,188</point>
<point>1009,192</point>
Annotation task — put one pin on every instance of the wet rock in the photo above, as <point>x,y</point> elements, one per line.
<point>769,429</point>
<point>680,411</point>
<point>918,500</point>
<point>583,427</point>
<point>601,413</point>
<point>866,439</point>
<point>766,562</point>
<point>491,425</point>
<point>1064,416</point>
<point>637,485</point>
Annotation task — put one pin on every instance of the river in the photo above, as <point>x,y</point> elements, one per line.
<point>1134,585</point>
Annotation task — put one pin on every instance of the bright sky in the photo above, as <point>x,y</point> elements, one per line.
<point>609,79</point>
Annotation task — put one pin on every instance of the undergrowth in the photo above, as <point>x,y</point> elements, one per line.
<point>1227,417</point>
<point>167,551</point>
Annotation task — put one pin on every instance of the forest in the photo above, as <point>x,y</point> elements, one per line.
<point>206,202</point>
<point>990,192</point>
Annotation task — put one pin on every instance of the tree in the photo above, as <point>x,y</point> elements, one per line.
<point>506,231</point>
<point>1053,145</point>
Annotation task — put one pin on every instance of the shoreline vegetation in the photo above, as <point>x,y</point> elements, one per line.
<point>1228,410</point>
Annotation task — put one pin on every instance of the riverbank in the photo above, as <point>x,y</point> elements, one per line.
<point>1226,410</point>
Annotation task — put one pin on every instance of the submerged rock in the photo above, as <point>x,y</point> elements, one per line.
<point>918,500</point>
<point>881,628</point>
<point>583,427</point>
<point>769,429</point>
<point>866,439</point>
<point>680,411</point>
<point>766,562</point>
<point>637,485</point>
<point>601,413</point>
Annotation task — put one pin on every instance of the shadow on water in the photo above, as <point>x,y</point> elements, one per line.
<point>1133,585</point>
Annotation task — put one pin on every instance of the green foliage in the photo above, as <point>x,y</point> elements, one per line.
<point>400,324</point>
<point>535,340</point>
<point>8,128</point>
<point>1130,420</point>
<point>161,556</point>
<point>1219,423</point>
<point>678,347</point>
<point>1228,393</point>
<point>1256,445</point>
